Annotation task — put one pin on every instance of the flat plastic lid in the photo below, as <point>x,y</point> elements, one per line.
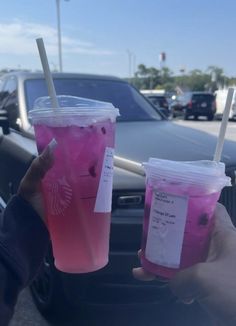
<point>70,106</point>
<point>196,172</point>
<point>202,167</point>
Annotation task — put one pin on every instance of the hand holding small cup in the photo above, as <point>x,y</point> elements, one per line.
<point>212,283</point>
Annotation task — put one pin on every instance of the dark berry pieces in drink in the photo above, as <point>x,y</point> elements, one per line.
<point>103,130</point>
<point>203,219</point>
<point>92,171</point>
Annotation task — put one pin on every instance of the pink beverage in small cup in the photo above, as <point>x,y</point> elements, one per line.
<point>178,220</point>
<point>77,191</point>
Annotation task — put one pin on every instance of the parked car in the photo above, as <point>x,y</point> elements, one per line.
<point>220,96</point>
<point>159,100</point>
<point>141,133</point>
<point>194,104</point>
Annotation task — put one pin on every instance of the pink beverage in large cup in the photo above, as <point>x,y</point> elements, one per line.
<point>77,190</point>
<point>179,207</point>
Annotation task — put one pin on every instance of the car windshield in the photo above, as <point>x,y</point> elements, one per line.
<point>132,105</point>
<point>203,97</point>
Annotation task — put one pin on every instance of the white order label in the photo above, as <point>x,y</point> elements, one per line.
<point>166,229</point>
<point>104,194</point>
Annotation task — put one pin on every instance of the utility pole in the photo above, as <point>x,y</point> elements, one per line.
<point>59,34</point>
<point>134,64</point>
<point>129,63</point>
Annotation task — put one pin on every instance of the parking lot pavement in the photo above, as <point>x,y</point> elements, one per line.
<point>26,313</point>
<point>211,127</point>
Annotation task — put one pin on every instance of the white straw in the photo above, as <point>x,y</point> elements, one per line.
<point>225,118</point>
<point>47,73</point>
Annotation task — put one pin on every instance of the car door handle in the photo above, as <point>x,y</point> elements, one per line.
<point>129,200</point>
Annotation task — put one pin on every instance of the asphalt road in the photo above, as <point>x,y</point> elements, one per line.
<point>26,313</point>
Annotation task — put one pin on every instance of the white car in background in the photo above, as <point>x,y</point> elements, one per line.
<point>220,98</point>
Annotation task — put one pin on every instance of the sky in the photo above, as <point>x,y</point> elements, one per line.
<point>113,37</point>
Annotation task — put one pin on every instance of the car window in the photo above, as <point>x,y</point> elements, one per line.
<point>180,98</point>
<point>1,84</point>
<point>8,86</point>
<point>132,105</point>
<point>202,97</point>
<point>184,98</point>
<point>9,101</point>
<point>9,90</point>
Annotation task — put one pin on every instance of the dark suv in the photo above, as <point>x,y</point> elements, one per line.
<point>141,132</point>
<point>194,104</point>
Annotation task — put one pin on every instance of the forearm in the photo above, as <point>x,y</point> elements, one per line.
<point>24,240</point>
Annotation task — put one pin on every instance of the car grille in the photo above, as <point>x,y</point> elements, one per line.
<point>228,199</point>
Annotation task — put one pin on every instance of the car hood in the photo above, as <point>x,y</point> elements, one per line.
<point>137,141</point>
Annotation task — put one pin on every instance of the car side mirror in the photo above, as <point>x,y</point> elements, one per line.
<point>4,122</point>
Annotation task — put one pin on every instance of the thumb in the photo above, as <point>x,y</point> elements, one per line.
<point>222,219</point>
<point>223,238</point>
<point>192,283</point>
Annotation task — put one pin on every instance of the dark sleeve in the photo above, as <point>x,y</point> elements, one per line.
<point>24,241</point>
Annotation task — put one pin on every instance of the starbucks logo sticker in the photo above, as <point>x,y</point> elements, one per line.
<point>60,194</point>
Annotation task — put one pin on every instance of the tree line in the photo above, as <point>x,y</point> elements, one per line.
<point>195,80</point>
<point>144,77</point>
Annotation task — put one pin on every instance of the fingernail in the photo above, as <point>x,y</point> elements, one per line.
<point>52,145</point>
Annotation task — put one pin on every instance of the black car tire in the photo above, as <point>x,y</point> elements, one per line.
<point>186,116</point>
<point>210,117</point>
<point>48,294</point>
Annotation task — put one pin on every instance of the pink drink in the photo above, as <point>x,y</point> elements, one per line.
<point>198,226</point>
<point>166,236</point>
<point>77,190</point>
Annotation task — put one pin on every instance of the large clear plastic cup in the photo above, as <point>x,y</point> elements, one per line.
<point>179,213</point>
<point>77,191</point>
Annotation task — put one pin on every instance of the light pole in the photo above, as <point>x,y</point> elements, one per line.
<point>129,62</point>
<point>134,64</point>
<point>59,34</point>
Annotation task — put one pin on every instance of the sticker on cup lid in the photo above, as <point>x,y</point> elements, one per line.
<point>104,194</point>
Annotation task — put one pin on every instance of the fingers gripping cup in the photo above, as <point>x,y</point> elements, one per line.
<point>179,206</point>
<point>77,191</point>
